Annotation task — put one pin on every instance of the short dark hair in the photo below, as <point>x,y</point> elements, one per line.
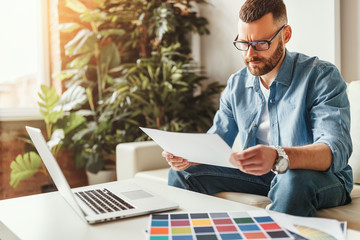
<point>253,10</point>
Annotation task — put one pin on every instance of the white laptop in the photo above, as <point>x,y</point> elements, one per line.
<point>100,203</point>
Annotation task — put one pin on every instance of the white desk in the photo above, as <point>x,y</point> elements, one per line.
<point>48,216</point>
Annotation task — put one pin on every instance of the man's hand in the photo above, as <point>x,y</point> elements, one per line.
<point>177,163</point>
<point>257,160</point>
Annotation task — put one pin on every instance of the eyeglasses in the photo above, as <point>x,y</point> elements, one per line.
<point>257,45</point>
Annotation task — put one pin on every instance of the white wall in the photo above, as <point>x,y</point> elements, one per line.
<point>316,28</point>
<point>218,55</point>
<point>350,39</point>
<point>220,59</point>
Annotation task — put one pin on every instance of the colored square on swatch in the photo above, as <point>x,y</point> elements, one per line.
<point>243,220</point>
<point>250,227</point>
<point>270,226</point>
<point>199,215</point>
<point>206,237</point>
<point>278,234</point>
<point>255,235</point>
<point>226,228</point>
<point>159,238</point>
<point>230,236</point>
<point>178,223</point>
<point>159,231</point>
<point>201,222</point>
<point>224,221</point>
<point>179,216</point>
<point>264,219</point>
<point>160,217</point>
<point>184,237</point>
<point>204,230</point>
<point>181,230</point>
<point>219,215</point>
<point>159,223</point>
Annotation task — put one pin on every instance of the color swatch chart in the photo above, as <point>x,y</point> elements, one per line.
<point>215,226</point>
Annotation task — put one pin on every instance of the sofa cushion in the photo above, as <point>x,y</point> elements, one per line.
<point>245,198</point>
<point>354,161</point>
<point>159,175</point>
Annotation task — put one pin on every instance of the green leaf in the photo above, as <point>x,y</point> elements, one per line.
<point>49,99</point>
<point>95,163</point>
<point>53,117</point>
<point>79,159</point>
<point>48,96</point>
<point>69,27</point>
<point>109,56</point>
<point>24,167</point>
<point>73,121</point>
<point>140,99</point>
<point>114,31</point>
<point>76,6</point>
<point>56,137</point>
<point>73,98</point>
<point>83,42</point>
<point>93,16</point>
<point>81,61</point>
<point>65,74</point>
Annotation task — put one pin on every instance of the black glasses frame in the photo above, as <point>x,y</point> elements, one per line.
<point>255,43</point>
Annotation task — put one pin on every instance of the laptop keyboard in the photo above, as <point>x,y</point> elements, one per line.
<point>103,201</point>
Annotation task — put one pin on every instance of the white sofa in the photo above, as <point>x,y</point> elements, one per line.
<point>144,160</point>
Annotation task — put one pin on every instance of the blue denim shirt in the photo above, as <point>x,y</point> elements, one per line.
<point>308,104</point>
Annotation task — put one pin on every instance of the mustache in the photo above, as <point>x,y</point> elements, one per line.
<point>253,59</point>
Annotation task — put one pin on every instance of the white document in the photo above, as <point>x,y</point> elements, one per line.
<point>195,147</point>
<point>312,227</point>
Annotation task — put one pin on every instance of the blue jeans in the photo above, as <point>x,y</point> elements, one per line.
<point>296,192</point>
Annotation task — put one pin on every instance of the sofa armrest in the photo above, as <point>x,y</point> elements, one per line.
<point>135,157</point>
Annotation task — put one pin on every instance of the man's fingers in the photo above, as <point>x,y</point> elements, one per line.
<point>177,163</point>
<point>167,154</point>
<point>180,166</point>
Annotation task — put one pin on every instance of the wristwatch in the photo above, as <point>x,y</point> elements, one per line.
<point>281,164</point>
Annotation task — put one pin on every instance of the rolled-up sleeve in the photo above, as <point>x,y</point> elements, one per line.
<point>330,115</point>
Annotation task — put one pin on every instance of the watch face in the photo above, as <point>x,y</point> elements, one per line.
<point>282,165</point>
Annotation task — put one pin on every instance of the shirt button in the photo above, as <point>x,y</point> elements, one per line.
<point>262,102</point>
<point>255,125</point>
<point>271,100</point>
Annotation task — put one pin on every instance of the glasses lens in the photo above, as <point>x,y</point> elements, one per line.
<point>260,46</point>
<point>241,46</point>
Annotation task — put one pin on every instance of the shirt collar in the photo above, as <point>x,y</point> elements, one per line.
<point>285,73</point>
<point>283,76</point>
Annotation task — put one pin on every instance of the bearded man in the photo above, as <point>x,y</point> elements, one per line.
<point>292,115</point>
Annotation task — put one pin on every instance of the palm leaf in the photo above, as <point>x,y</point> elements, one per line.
<point>24,167</point>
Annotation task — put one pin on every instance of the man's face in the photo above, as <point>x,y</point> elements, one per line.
<point>261,62</point>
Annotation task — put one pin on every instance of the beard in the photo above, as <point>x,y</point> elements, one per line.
<point>269,63</point>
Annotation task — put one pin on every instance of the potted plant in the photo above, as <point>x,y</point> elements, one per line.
<point>131,61</point>
<point>159,85</point>
<point>59,122</point>
<point>117,55</point>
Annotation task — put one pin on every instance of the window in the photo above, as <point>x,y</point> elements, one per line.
<point>24,57</point>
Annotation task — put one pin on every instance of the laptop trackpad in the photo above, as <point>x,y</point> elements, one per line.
<point>137,194</point>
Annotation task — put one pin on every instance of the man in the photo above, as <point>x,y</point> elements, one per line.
<point>292,115</point>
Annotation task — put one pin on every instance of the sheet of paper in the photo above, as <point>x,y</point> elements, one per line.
<point>312,227</point>
<point>195,147</point>
<point>6,233</point>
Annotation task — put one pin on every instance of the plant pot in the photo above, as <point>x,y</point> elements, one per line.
<point>48,188</point>
<point>103,176</point>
